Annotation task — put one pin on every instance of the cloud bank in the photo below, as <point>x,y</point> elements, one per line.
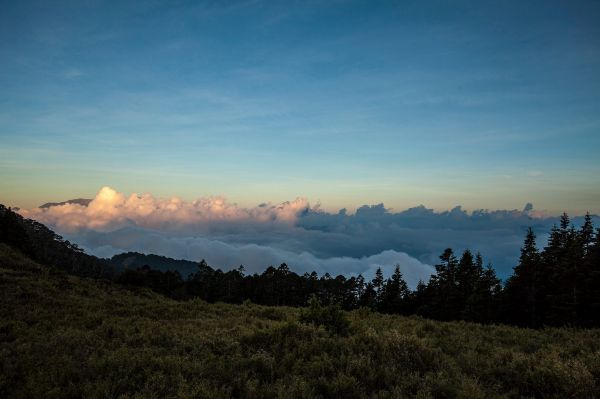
<point>306,238</point>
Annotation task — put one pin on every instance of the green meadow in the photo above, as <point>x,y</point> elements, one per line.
<point>63,336</point>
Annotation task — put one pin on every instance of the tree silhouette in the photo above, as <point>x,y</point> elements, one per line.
<point>523,287</point>
<point>395,294</point>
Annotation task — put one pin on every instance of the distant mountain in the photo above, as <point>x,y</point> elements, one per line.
<point>135,260</point>
<point>78,201</point>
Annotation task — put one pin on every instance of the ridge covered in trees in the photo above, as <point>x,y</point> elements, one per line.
<point>48,248</point>
<point>559,285</point>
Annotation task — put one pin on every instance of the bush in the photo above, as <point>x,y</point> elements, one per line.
<point>331,317</point>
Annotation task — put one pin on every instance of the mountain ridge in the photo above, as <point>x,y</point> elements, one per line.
<point>135,260</point>
<point>77,201</point>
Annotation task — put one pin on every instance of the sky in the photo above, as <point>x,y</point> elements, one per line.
<point>345,103</point>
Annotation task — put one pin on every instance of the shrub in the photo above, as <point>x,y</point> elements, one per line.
<point>331,317</point>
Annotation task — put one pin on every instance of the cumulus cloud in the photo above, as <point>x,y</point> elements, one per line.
<point>110,210</point>
<point>305,237</point>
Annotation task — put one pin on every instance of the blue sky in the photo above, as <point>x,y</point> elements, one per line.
<point>482,104</point>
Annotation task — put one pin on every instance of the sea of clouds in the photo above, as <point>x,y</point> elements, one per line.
<point>306,238</point>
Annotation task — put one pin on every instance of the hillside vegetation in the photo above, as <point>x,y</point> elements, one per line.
<point>63,336</point>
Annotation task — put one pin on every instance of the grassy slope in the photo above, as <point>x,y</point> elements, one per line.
<point>61,336</point>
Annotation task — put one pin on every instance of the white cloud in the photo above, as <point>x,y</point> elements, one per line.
<point>254,257</point>
<point>110,210</point>
<point>304,237</point>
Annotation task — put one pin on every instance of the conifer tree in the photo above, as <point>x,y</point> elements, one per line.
<point>586,234</point>
<point>395,293</point>
<point>378,282</point>
<point>443,285</point>
<point>591,288</point>
<point>369,296</point>
<point>482,293</point>
<point>523,291</point>
<point>467,277</point>
<point>359,287</point>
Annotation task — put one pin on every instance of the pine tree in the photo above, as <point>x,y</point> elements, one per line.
<point>551,284</point>
<point>591,310</point>
<point>378,284</point>
<point>467,277</point>
<point>369,296</point>
<point>481,293</point>
<point>395,293</point>
<point>523,288</point>
<point>421,299</point>
<point>359,288</point>
<point>586,234</point>
<point>444,290</point>
<point>491,289</point>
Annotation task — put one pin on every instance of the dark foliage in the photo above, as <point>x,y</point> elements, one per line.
<point>48,248</point>
<point>331,317</point>
<point>134,260</point>
<point>559,285</point>
<point>167,283</point>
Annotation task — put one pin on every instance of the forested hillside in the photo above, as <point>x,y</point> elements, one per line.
<point>42,244</point>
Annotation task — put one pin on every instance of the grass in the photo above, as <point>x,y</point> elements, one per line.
<point>66,337</point>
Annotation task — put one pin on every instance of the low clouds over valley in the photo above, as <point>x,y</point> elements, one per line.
<point>304,236</point>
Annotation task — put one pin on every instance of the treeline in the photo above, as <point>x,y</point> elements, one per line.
<point>559,285</point>
<point>462,289</point>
